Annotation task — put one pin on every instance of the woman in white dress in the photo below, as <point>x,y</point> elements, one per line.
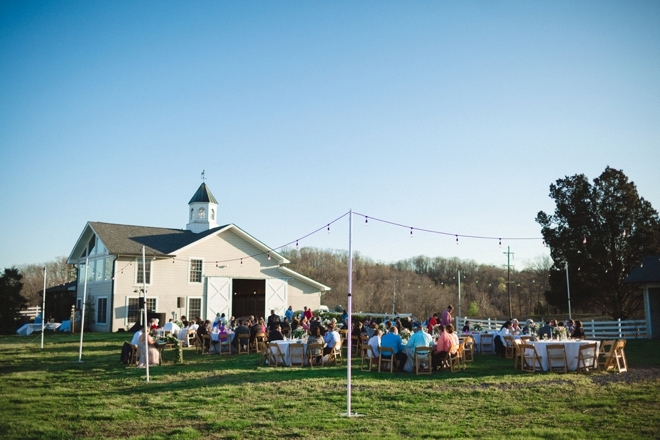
<point>154,354</point>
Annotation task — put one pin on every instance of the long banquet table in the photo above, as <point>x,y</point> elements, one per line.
<point>285,349</point>
<point>572,349</point>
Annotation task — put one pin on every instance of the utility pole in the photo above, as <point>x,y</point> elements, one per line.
<point>508,254</point>
<point>394,297</point>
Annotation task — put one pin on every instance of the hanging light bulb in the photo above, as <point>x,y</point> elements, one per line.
<point>411,234</point>
<point>500,242</point>
<point>584,241</point>
<point>173,260</point>
<point>328,228</point>
<point>366,221</point>
<point>624,233</point>
<point>296,244</point>
<point>606,270</point>
<point>641,264</point>
<point>457,239</point>
<point>543,243</point>
<point>241,262</point>
<point>268,256</point>
<point>578,269</point>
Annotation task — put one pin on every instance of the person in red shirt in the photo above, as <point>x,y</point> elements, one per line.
<point>308,313</point>
<point>432,323</point>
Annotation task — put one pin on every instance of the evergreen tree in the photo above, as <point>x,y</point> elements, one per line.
<point>10,299</point>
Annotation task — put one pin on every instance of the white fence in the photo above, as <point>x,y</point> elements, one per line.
<point>631,329</point>
<point>31,312</point>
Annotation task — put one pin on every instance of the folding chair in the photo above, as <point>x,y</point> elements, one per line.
<point>191,336</point>
<point>386,359</point>
<point>335,355</point>
<point>296,355</point>
<point>531,362</point>
<point>587,359</point>
<point>486,343</point>
<point>311,359</point>
<point>224,344</point>
<point>456,362</point>
<point>343,335</point>
<point>262,349</point>
<point>355,345</point>
<point>259,337</point>
<point>469,348</point>
<point>243,343</point>
<point>422,358</point>
<point>274,355</point>
<point>200,344</point>
<point>615,357</point>
<point>135,355</point>
<point>368,357</point>
<point>508,341</point>
<point>605,353</point>
<point>557,358</point>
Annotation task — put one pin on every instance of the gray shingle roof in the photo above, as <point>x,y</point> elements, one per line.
<point>128,239</point>
<point>203,195</point>
<point>647,272</point>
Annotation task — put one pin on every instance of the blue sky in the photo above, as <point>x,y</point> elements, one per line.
<point>450,116</point>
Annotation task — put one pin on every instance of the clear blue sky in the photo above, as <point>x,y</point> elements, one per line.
<point>452,116</point>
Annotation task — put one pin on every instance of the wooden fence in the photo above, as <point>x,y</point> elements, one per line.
<point>631,329</point>
<point>31,312</point>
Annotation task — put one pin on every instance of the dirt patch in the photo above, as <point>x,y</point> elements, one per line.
<point>631,376</point>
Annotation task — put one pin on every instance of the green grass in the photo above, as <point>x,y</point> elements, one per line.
<point>47,394</point>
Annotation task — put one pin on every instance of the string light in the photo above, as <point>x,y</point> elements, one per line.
<point>268,256</point>
<point>457,240</point>
<point>296,244</point>
<point>641,264</point>
<point>543,243</point>
<point>366,220</point>
<point>500,242</point>
<point>624,233</point>
<point>241,262</point>
<point>584,241</point>
<point>328,228</point>
<point>411,232</point>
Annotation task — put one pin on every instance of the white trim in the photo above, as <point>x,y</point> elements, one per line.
<point>148,261</point>
<point>201,306</point>
<point>279,259</point>
<point>107,304</point>
<point>303,278</point>
<point>201,278</point>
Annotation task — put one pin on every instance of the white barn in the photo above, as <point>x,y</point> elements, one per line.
<point>200,271</point>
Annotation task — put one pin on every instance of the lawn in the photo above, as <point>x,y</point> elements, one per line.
<point>47,394</point>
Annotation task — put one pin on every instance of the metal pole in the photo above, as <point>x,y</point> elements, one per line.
<point>82,317</point>
<point>568,287</point>
<point>508,278</point>
<point>43,312</point>
<point>350,311</point>
<point>146,324</point>
<point>459,292</point>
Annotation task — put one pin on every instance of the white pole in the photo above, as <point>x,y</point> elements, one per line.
<point>568,287</point>
<point>43,312</point>
<point>146,324</point>
<point>350,310</point>
<point>459,292</point>
<point>82,316</point>
<point>394,297</point>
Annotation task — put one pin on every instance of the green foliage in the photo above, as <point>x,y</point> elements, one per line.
<point>602,230</point>
<point>10,299</point>
<point>474,309</point>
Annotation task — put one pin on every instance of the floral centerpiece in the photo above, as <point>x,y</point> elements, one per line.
<point>477,327</point>
<point>405,335</point>
<point>382,327</point>
<point>171,339</point>
<point>298,333</point>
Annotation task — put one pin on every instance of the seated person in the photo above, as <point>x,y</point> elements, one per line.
<point>546,330</point>
<point>374,342</point>
<point>466,327</point>
<point>447,345</point>
<point>240,330</point>
<point>419,338</point>
<point>154,354</point>
<point>204,329</point>
<point>316,338</point>
<point>500,345</point>
<point>393,340</point>
<point>256,329</point>
<point>286,328</point>
<point>578,331</point>
<point>331,338</point>
<point>276,335</point>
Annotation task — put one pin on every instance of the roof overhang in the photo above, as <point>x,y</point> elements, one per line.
<point>303,278</point>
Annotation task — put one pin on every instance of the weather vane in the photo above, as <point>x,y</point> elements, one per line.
<point>203,178</point>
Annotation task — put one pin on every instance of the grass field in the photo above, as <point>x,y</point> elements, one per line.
<point>47,394</point>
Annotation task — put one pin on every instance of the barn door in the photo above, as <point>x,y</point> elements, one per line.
<point>275,296</point>
<point>218,297</point>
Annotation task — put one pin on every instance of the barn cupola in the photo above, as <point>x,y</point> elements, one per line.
<point>202,211</point>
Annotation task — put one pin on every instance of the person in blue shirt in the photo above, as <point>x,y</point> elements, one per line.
<point>289,314</point>
<point>419,338</point>
<point>393,340</point>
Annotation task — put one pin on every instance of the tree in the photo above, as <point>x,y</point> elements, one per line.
<point>11,299</point>
<point>602,230</point>
<point>58,272</point>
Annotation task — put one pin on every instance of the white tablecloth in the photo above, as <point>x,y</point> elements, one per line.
<point>572,349</point>
<point>477,340</point>
<point>284,348</point>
